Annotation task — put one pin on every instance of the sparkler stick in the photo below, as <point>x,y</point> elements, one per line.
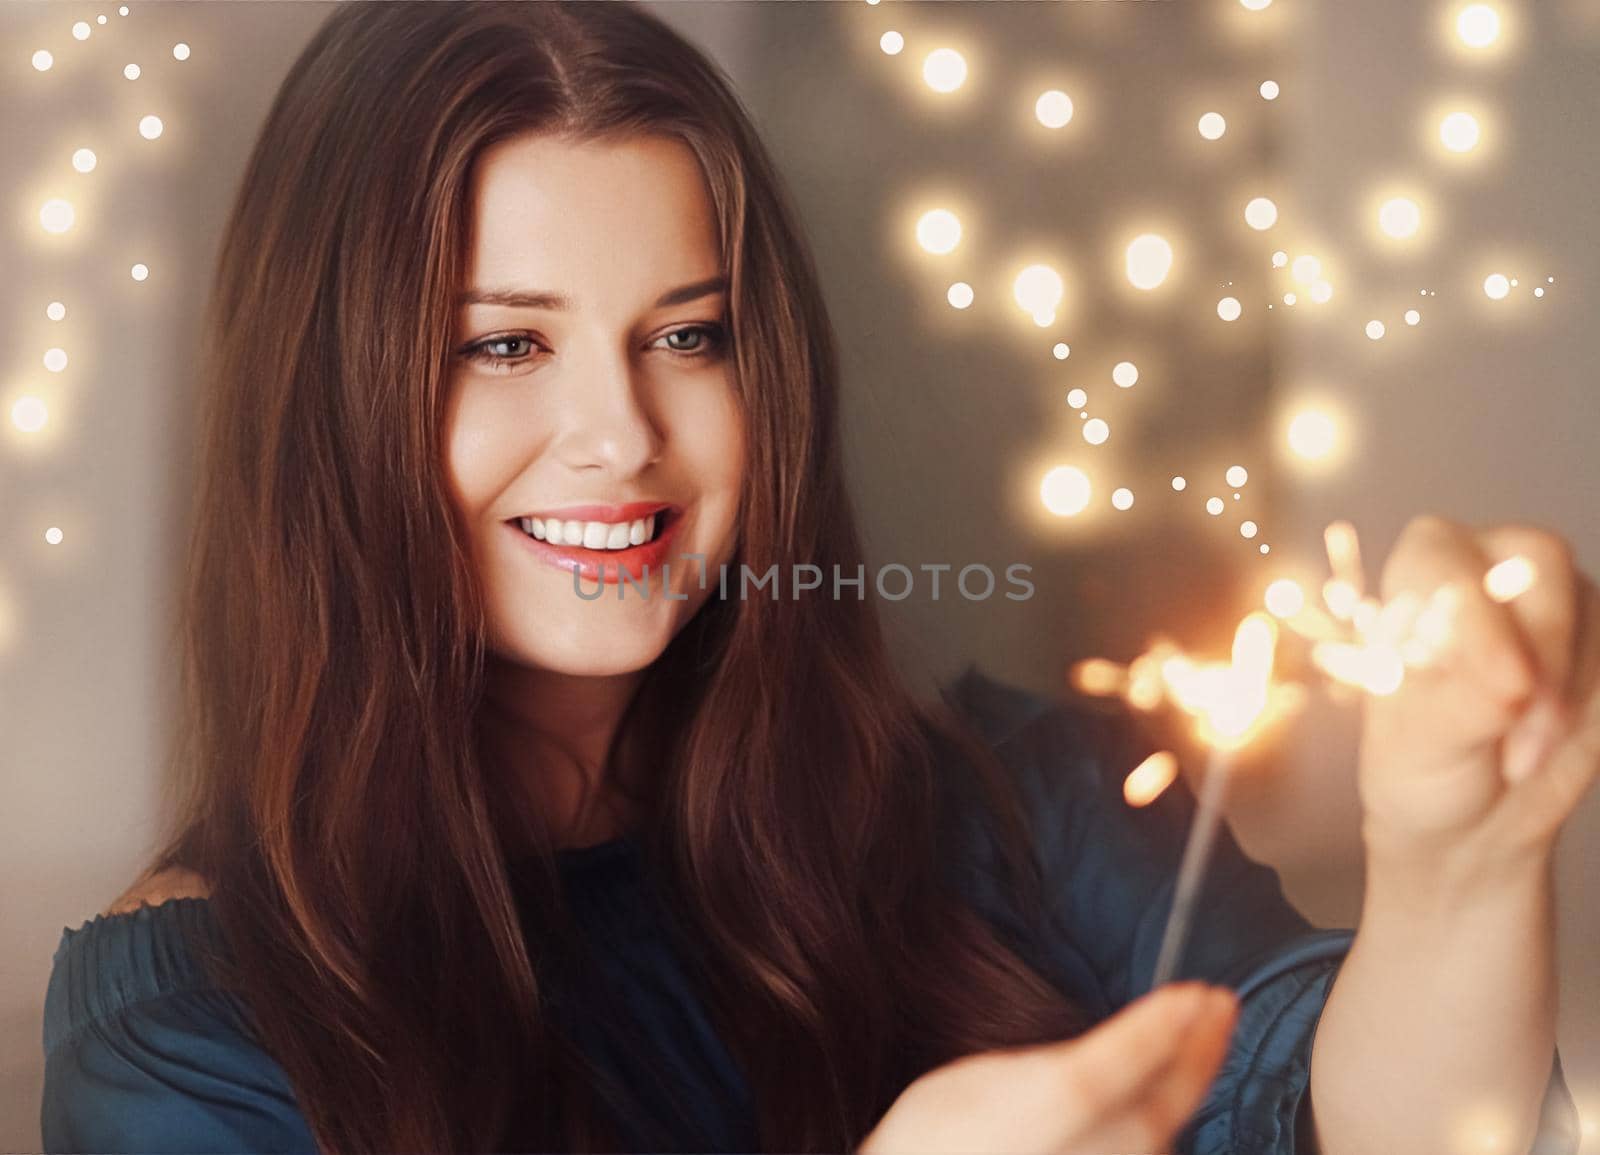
<point>1196,853</point>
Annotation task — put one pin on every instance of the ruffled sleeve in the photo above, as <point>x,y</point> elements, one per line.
<point>1109,873</point>
<point>143,1053</point>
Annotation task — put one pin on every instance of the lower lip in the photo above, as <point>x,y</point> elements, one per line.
<point>604,565</point>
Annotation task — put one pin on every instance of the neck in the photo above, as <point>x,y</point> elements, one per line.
<point>550,735</point>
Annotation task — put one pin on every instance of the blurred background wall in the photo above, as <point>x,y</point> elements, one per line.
<point>1484,411</point>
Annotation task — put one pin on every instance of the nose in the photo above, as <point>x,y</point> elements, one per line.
<point>607,423</point>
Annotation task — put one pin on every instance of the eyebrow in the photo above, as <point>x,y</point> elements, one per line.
<point>548,299</point>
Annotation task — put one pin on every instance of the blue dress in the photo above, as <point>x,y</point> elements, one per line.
<point>143,1054</point>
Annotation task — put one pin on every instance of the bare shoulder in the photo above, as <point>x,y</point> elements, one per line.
<point>155,889</point>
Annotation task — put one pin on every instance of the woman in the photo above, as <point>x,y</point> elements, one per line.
<point>474,860</point>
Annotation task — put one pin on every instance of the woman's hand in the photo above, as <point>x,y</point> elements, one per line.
<point>1128,1085</point>
<point>1468,771</point>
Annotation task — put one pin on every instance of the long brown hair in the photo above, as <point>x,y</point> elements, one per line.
<point>332,789</point>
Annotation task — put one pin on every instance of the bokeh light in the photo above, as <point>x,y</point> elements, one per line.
<point>959,295</point>
<point>131,71</point>
<point>938,231</point>
<point>1375,330</point>
<point>1038,290</point>
<point>1248,529</point>
<point>56,215</point>
<point>944,70</point>
<point>1061,350</point>
<point>1122,498</point>
<point>180,50</point>
<point>1459,132</point>
<point>1261,214</point>
<point>84,160</point>
<point>1313,434</point>
<point>1212,125</point>
<point>1095,431</point>
<point>1413,317</point>
<point>42,60</point>
<point>1077,398</point>
<point>139,272</point>
<point>1400,217</point>
<point>1496,286</point>
<point>1125,374</point>
<point>1148,261</point>
<point>1236,476</point>
<point>53,535</point>
<point>150,127</point>
<point>1478,25</point>
<point>29,414</point>
<point>1284,598</point>
<point>1179,484</point>
<point>1065,491</point>
<point>891,42</point>
<point>1229,308</point>
<point>1053,108</point>
<point>1214,506</point>
<point>55,310</point>
<point>55,360</point>
<point>1269,90</point>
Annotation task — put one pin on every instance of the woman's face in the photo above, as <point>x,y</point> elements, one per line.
<point>592,384</point>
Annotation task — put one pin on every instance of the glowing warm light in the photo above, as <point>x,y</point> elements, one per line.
<point>84,160</point>
<point>1478,26</point>
<point>1212,126</point>
<point>150,127</point>
<point>1038,289</point>
<point>1061,350</point>
<point>891,42</point>
<point>56,215</point>
<point>1322,292</point>
<point>1289,298</point>
<point>1122,498</point>
<point>1341,598</point>
<point>1229,309</point>
<point>1496,287</point>
<point>944,70</point>
<point>1312,434</point>
<point>1413,317</point>
<point>1280,259</point>
<point>53,535</point>
<point>1400,217</point>
<point>81,30</point>
<point>1284,598</point>
<point>1065,491</point>
<point>139,272</point>
<point>1149,260</point>
<point>1261,214</point>
<point>1255,5</point>
<point>1459,132</point>
<point>1509,579</point>
<point>1539,292</point>
<point>42,60</point>
<point>938,231</point>
<point>1095,431</point>
<point>55,310</point>
<point>131,71</point>
<point>1214,506</point>
<point>1179,484</point>
<point>1305,269</point>
<point>1053,108</point>
<point>1375,330</point>
<point>29,414</point>
<point>180,50</point>
<point>1125,374</point>
<point>1248,530</point>
<point>1269,90</point>
<point>959,295</point>
<point>1150,778</point>
<point>55,360</point>
<point>1077,398</point>
<point>1098,676</point>
<point>1236,476</point>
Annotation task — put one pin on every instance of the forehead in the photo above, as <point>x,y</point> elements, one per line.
<point>582,217</point>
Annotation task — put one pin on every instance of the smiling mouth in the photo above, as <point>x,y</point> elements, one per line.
<point>596,536</point>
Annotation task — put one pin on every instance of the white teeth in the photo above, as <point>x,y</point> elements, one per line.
<point>591,534</point>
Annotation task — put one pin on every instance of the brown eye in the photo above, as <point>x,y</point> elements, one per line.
<point>706,340</point>
<point>489,351</point>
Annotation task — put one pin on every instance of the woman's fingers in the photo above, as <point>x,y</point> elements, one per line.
<point>1151,1119</point>
<point>1115,1064</point>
